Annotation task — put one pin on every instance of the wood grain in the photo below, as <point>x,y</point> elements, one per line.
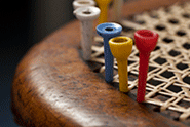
<point>54,87</point>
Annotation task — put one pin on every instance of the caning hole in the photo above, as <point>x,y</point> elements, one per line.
<point>160,60</point>
<point>161,97</point>
<point>167,74</point>
<point>160,27</point>
<point>130,62</point>
<point>186,15</point>
<point>186,46</point>
<point>182,66</point>
<point>153,15</point>
<point>167,40</point>
<point>184,103</point>
<point>98,43</point>
<point>174,88</point>
<point>156,48</point>
<point>101,55</point>
<point>132,77</point>
<point>187,79</point>
<point>127,28</point>
<point>151,69</point>
<point>181,33</point>
<point>154,82</point>
<point>174,53</point>
<point>141,21</point>
<point>173,21</point>
<point>137,54</point>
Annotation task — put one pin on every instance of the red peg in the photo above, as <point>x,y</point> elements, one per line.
<point>146,41</point>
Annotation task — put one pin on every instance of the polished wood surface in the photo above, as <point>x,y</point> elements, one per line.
<point>54,87</point>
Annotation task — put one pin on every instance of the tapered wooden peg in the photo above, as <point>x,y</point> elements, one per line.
<point>108,31</point>
<point>103,4</point>
<point>86,15</point>
<point>83,3</point>
<point>121,48</point>
<point>145,41</point>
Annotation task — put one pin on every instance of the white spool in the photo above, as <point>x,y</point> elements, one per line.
<point>83,3</point>
<point>117,5</point>
<point>86,15</point>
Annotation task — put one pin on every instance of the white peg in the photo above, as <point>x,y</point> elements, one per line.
<point>117,5</point>
<point>86,15</point>
<point>83,3</point>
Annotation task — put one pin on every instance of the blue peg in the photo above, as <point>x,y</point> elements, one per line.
<point>107,31</point>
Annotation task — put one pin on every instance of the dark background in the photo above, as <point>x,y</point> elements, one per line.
<point>22,24</point>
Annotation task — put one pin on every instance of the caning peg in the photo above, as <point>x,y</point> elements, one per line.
<point>146,41</point>
<point>107,31</point>
<point>121,48</point>
<point>86,15</point>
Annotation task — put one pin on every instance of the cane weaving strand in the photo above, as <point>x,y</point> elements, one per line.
<point>168,81</point>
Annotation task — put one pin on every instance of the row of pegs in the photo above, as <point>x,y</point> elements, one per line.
<point>114,46</point>
<point>103,5</point>
<point>86,12</point>
<point>120,47</point>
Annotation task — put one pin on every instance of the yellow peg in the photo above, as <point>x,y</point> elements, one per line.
<point>121,48</point>
<point>103,4</point>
